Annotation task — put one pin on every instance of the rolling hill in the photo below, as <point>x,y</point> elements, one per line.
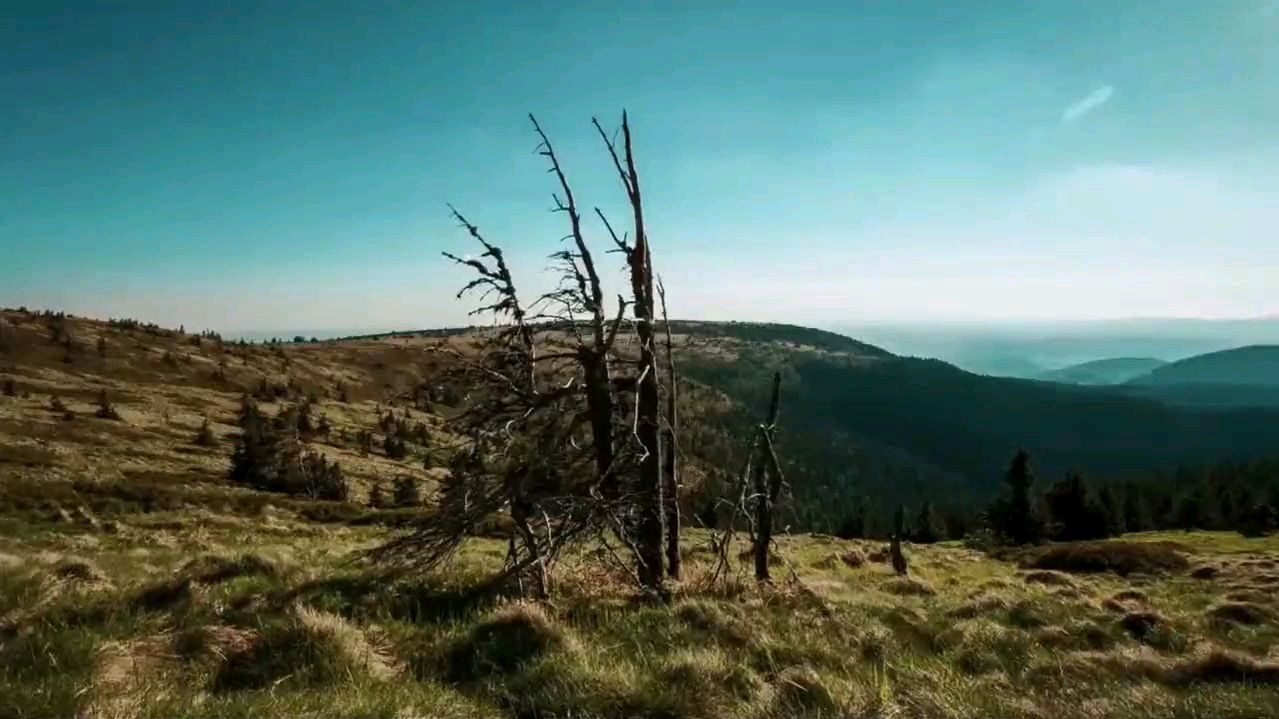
<point>857,421</point>
<point>1256,365</point>
<point>1104,371</point>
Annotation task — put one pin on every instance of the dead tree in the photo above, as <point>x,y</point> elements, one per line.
<point>529,401</point>
<point>648,535</point>
<point>670,467</point>
<point>583,292</point>
<point>767,483</point>
<point>895,546</point>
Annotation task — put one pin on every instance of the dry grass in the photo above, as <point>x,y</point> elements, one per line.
<point>1239,613</point>
<point>1120,557</point>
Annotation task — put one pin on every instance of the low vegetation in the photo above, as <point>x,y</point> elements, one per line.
<point>272,617</point>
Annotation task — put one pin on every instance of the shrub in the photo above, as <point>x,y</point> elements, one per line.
<point>8,387</point>
<point>377,495</point>
<point>407,493</point>
<point>395,447</point>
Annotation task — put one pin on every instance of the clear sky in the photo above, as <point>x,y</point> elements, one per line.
<point>286,165</point>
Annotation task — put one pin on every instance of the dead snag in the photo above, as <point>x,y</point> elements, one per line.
<point>648,401</point>
<point>670,468</point>
<point>895,547</point>
<point>766,491</point>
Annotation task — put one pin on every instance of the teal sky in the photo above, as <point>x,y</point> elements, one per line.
<point>266,165</point>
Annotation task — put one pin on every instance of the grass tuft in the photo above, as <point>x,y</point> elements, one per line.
<point>311,647</point>
<point>1205,571</point>
<point>1142,624</point>
<point>210,569</point>
<point>1048,577</point>
<point>907,586</point>
<point>1238,613</point>
<point>800,691</point>
<point>75,569</point>
<point>513,636</point>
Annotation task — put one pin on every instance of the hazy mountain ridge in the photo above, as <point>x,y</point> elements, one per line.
<point>1252,365</point>
<point>1029,349</point>
<point>1115,370</point>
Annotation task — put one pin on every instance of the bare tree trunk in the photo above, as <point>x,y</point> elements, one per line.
<point>670,468</point>
<point>895,547</point>
<point>648,400</point>
<point>764,492</point>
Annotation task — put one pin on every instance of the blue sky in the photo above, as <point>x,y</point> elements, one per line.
<point>270,165</point>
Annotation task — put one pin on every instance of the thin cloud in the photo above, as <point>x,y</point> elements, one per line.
<point>1094,100</point>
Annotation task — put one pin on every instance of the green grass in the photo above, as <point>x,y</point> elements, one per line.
<point>221,615</point>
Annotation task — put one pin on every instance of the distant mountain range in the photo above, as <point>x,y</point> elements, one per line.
<point>1256,365</point>
<point>1104,371</point>
<point>1233,378</point>
<point>1029,350</point>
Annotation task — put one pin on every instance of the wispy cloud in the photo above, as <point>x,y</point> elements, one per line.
<point>1094,100</point>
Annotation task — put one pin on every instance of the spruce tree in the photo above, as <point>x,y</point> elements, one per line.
<point>1076,514</point>
<point>1113,508</point>
<point>927,528</point>
<point>1015,518</point>
<point>1136,512</point>
<point>255,458</point>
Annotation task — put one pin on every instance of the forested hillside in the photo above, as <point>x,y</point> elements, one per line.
<point>901,429</point>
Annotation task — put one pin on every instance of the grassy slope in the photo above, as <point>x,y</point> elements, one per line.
<point>135,582</point>
<point>126,624</point>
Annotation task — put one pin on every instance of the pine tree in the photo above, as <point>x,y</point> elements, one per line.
<point>1015,518</point>
<point>854,524</point>
<point>255,458</point>
<point>395,447</point>
<point>1112,508</point>
<point>1190,511</point>
<point>1136,512</point>
<point>1077,515</point>
<point>927,528</point>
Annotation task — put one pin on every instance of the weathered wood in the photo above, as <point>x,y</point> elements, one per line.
<point>765,494</point>
<point>895,548</point>
<point>670,467</point>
